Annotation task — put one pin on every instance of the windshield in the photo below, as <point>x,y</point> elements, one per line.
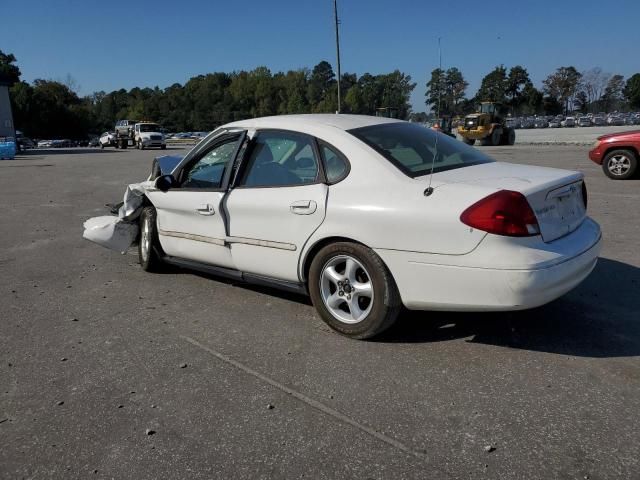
<point>412,148</point>
<point>149,127</point>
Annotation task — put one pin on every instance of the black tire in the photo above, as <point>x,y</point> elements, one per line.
<point>149,245</point>
<point>124,144</point>
<point>495,137</point>
<point>386,298</point>
<point>139,145</point>
<point>102,146</point>
<point>469,141</point>
<point>626,161</point>
<point>511,136</point>
<point>163,147</point>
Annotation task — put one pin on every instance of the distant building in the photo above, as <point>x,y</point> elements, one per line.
<point>7,128</point>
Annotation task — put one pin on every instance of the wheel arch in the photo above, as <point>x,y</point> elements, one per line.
<point>319,245</point>
<point>630,148</point>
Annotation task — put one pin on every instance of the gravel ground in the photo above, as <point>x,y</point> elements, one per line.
<point>109,372</point>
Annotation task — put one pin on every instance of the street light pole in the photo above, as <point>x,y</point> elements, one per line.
<point>335,15</point>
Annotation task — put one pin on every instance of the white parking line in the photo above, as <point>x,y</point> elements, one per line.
<point>309,401</point>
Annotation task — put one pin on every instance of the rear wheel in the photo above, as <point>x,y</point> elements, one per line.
<point>620,164</point>
<point>495,137</point>
<point>353,290</point>
<point>149,246</point>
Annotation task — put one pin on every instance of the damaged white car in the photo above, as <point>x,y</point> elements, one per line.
<point>365,214</point>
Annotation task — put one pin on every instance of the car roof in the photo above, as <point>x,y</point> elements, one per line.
<point>302,122</point>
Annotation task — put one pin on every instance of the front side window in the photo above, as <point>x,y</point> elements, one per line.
<point>208,171</point>
<point>413,148</point>
<point>280,159</point>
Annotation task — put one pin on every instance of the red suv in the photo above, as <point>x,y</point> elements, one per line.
<point>618,154</point>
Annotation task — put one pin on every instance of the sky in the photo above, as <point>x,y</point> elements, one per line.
<point>108,45</point>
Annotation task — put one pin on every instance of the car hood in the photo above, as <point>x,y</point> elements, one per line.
<point>630,135</point>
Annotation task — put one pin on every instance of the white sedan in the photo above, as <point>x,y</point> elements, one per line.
<point>367,214</point>
<point>107,139</point>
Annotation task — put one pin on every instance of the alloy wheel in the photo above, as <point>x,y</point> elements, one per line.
<point>145,238</point>
<point>619,165</point>
<point>346,289</point>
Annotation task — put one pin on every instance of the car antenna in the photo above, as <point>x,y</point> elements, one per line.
<point>429,189</point>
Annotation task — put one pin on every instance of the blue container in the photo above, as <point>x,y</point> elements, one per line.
<point>7,149</point>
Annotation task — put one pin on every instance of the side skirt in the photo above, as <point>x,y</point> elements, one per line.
<point>229,273</point>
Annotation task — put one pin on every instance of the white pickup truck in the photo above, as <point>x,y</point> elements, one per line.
<point>147,135</point>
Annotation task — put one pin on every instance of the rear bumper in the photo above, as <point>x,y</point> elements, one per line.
<point>537,275</point>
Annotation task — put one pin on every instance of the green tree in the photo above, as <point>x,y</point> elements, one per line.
<point>9,72</point>
<point>516,83</point>
<point>632,91</point>
<point>446,89</point>
<point>562,85</point>
<point>321,84</point>
<point>494,86</point>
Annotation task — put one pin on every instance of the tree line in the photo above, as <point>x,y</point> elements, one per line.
<point>562,91</point>
<point>52,109</point>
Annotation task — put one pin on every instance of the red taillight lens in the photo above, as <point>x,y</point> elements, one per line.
<point>584,194</point>
<point>503,213</point>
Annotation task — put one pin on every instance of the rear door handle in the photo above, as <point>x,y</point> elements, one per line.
<point>303,207</point>
<point>206,209</point>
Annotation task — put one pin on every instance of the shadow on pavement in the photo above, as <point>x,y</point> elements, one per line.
<point>598,319</point>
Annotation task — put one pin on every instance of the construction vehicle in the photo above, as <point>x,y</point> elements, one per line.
<point>487,125</point>
<point>444,125</point>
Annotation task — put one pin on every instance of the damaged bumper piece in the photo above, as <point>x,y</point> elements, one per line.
<point>119,232</point>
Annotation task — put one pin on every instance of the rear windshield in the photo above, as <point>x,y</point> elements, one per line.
<point>412,148</point>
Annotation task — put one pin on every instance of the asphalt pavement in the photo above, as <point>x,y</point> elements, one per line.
<point>110,372</point>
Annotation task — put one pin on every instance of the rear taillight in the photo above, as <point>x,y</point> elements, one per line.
<point>503,213</point>
<point>584,194</point>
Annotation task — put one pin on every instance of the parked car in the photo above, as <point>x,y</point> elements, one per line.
<point>554,123</point>
<point>584,122</point>
<point>363,215</point>
<point>599,121</point>
<point>617,153</point>
<point>615,120</point>
<point>568,122</point>
<point>541,122</point>
<point>94,142</point>
<point>107,139</point>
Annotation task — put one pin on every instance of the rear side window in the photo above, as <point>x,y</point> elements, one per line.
<point>280,159</point>
<point>413,148</point>
<point>336,166</point>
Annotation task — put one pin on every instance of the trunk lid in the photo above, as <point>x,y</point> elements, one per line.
<point>554,195</point>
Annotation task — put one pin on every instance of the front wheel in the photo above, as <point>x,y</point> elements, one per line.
<point>620,164</point>
<point>353,290</point>
<point>469,141</point>
<point>149,245</point>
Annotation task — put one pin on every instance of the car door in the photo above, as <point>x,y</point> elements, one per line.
<point>191,220</point>
<point>276,204</point>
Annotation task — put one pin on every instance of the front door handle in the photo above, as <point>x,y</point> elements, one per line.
<point>303,207</point>
<point>206,209</point>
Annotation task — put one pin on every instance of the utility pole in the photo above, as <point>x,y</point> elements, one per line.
<point>335,16</point>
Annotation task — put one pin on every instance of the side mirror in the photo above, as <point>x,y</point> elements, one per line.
<point>165,182</point>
